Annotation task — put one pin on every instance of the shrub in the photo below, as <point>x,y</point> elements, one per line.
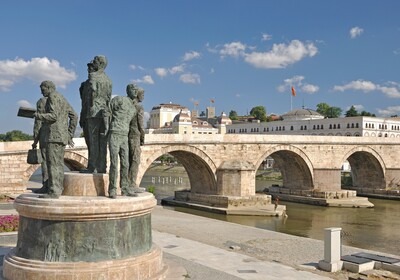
<point>9,223</point>
<point>151,189</point>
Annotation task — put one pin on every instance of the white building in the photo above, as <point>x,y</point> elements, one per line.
<point>309,122</point>
<point>175,119</point>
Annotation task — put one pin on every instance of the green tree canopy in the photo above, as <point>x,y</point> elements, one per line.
<point>328,111</point>
<point>259,113</point>
<point>233,115</point>
<point>367,114</point>
<point>352,112</point>
<point>15,135</point>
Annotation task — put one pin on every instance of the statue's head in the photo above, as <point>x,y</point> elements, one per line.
<point>99,62</point>
<point>140,94</point>
<point>132,91</point>
<point>47,87</point>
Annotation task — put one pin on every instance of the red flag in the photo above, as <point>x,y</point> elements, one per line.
<point>212,100</point>
<point>293,91</point>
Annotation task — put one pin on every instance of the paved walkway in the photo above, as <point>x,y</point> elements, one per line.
<point>235,265</point>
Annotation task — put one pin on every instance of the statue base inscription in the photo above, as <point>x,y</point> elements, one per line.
<point>82,237</point>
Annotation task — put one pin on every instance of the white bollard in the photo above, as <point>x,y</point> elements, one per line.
<point>332,250</point>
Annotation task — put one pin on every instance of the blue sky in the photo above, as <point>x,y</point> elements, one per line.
<point>240,53</point>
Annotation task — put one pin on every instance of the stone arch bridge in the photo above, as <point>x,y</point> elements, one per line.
<point>226,165</point>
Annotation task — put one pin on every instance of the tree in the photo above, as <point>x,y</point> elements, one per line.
<point>352,112</point>
<point>367,114</point>
<point>15,135</point>
<point>259,113</point>
<point>328,111</point>
<point>233,115</point>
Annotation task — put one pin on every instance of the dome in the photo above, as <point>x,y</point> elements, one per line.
<point>302,114</point>
<point>223,119</point>
<point>183,116</point>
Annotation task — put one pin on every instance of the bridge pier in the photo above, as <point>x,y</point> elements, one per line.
<point>327,179</point>
<point>235,194</point>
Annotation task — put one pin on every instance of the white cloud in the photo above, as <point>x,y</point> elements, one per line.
<point>147,79</point>
<point>161,72</point>
<point>191,55</point>
<point>37,69</point>
<point>212,71</point>
<point>176,69</point>
<point>134,67</point>
<point>392,90</point>
<point>298,83</point>
<point>389,111</point>
<point>25,103</point>
<point>307,88</point>
<point>355,32</point>
<point>282,55</point>
<point>234,49</point>
<point>190,78</point>
<point>396,51</point>
<point>266,37</point>
<point>362,85</point>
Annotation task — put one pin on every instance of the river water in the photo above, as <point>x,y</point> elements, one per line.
<point>375,228</point>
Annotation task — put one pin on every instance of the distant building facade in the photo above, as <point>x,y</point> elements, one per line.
<point>309,122</point>
<point>168,118</point>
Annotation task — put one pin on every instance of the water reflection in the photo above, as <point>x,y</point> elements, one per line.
<point>372,228</point>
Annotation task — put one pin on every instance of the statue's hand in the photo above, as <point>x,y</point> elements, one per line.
<point>34,145</point>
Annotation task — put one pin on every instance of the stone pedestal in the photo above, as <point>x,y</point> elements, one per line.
<point>84,237</point>
<point>85,184</point>
<point>332,250</point>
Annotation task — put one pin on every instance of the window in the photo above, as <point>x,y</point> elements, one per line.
<point>356,125</point>
<point>334,126</point>
<point>348,126</point>
<point>352,125</point>
<point>338,126</point>
<point>322,126</point>
<point>291,127</point>
<point>330,126</point>
<point>305,127</point>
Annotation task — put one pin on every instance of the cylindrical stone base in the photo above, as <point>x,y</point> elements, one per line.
<point>73,237</point>
<point>85,184</point>
<point>146,266</point>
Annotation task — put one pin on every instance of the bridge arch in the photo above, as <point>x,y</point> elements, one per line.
<point>367,167</point>
<point>199,166</point>
<point>295,166</point>
<point>74,161</point>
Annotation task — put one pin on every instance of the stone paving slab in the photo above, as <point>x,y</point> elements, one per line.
<point>238,265</point>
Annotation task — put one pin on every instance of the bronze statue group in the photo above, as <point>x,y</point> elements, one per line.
<point>116,121</point>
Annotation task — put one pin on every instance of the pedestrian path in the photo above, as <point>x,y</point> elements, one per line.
<point>238,265</point>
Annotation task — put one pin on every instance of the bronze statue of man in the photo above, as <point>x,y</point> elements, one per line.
<point>38,137</point>
<point>95,94</point>
<point>123,110</point>
<point>136,139</point>
<point>59,122</point>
